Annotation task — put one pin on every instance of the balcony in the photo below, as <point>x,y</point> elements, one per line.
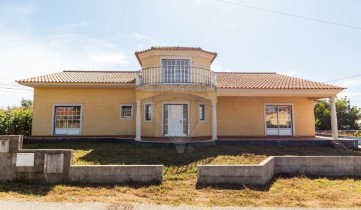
<point>187,76</point>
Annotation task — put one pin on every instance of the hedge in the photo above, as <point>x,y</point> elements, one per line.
<point>16,121</point>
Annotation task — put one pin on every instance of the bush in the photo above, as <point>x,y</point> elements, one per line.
<point>16,121</point>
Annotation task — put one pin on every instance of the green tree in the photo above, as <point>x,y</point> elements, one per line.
<point>347,115</point>
<point>26,103</point>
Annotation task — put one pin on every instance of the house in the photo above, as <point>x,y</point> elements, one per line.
<point>176,94</point>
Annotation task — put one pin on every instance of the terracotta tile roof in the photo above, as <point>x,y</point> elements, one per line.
<point>175,48</point>
<point>244,80</point>
<point>236,80</point>
<point>84,77</point>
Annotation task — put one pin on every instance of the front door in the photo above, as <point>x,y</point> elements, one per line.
<point>175,120</point>
<point>279,120</point>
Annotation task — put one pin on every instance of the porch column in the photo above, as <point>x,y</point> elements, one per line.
<point>138,123</point>
<point>214,120</point>
<point>333,118</point>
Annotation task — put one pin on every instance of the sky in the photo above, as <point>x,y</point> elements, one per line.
<point>42,37</point>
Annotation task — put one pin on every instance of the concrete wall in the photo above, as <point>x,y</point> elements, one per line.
<point>116,174</point>
<point>332,166</point>
<point>47,165</point>
<point>253,174</point>
<point>55,166</point>
<point>261,174</point>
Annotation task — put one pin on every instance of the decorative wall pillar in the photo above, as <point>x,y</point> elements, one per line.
<point>333,118</point>
<point>138,123</point>
<point>214,120</point>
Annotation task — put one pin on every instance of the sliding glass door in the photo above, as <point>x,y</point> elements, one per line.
<point>279,120</point>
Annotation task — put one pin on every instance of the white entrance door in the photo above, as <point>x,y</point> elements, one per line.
<point>279,120</point>
<point>175,120</point>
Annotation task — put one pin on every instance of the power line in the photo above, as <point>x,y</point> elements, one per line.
<point>10,88</point>
<point>345,78</point>
<point>288,14</point>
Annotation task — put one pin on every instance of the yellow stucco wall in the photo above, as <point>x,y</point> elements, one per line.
<point>244,116</point>
<point>236,116</point>
<point>195,128</point>
<point>197,60</point>
<point>101,109</point>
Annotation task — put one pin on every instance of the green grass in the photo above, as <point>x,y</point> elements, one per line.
<point>179,185</point>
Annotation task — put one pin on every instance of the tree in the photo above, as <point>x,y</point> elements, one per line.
<point>26,103</point>
<point>347,115</point>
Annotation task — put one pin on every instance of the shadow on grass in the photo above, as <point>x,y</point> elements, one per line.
<point>36,189</point>
<point>129,154</point>
<point>26,188</point>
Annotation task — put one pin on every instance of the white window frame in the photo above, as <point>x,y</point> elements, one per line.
<point>199,113</point>
<point>121,111</point>
<point>279,104</point>
<point>175,58</point>
<point>52,132</point>
<point>145,112</point>
<point>176,103</point>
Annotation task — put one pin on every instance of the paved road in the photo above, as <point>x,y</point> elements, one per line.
<point>20,205</point>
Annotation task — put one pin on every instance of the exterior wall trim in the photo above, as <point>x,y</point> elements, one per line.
<point>279,104</point>
<point>120,112</point>
<point>175,57</point>
<point>175,103</point>
<point>274,92</point>
<point>145,114</point>
<point>205,113</point>
<point>79,85</point>
<point>53,116</point>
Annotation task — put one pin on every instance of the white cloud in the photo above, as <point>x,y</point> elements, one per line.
<point>22,10</point>
<point>72,26</point>
<point>145,38</point>
<point>23,56</point>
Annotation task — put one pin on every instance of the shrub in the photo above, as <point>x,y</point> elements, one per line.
<point>16,121</point>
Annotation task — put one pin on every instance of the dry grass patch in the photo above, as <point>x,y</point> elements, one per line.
<point>179,185</point>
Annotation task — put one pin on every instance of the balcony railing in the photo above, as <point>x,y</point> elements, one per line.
<point>175,75</point>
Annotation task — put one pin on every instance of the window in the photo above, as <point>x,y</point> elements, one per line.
<point>126,112</point>
<point>279,120</point>
<point>148,112</point>
<point>176,70</point>
<point>202,112</point>
<point>67,120</point>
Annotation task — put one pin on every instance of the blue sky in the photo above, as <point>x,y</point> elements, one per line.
<point>41,37</point>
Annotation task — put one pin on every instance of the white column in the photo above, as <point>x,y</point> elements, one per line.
<point>138,123</point>
<point>333,118</point>
<point>214,120</point>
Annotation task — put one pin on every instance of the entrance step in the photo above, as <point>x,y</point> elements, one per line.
<point>339,145</point>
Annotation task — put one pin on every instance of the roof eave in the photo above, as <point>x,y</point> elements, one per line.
<point>78,84</point>
<point>312,93</point>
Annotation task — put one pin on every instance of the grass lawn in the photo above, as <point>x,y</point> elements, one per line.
<point>179,185</point>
